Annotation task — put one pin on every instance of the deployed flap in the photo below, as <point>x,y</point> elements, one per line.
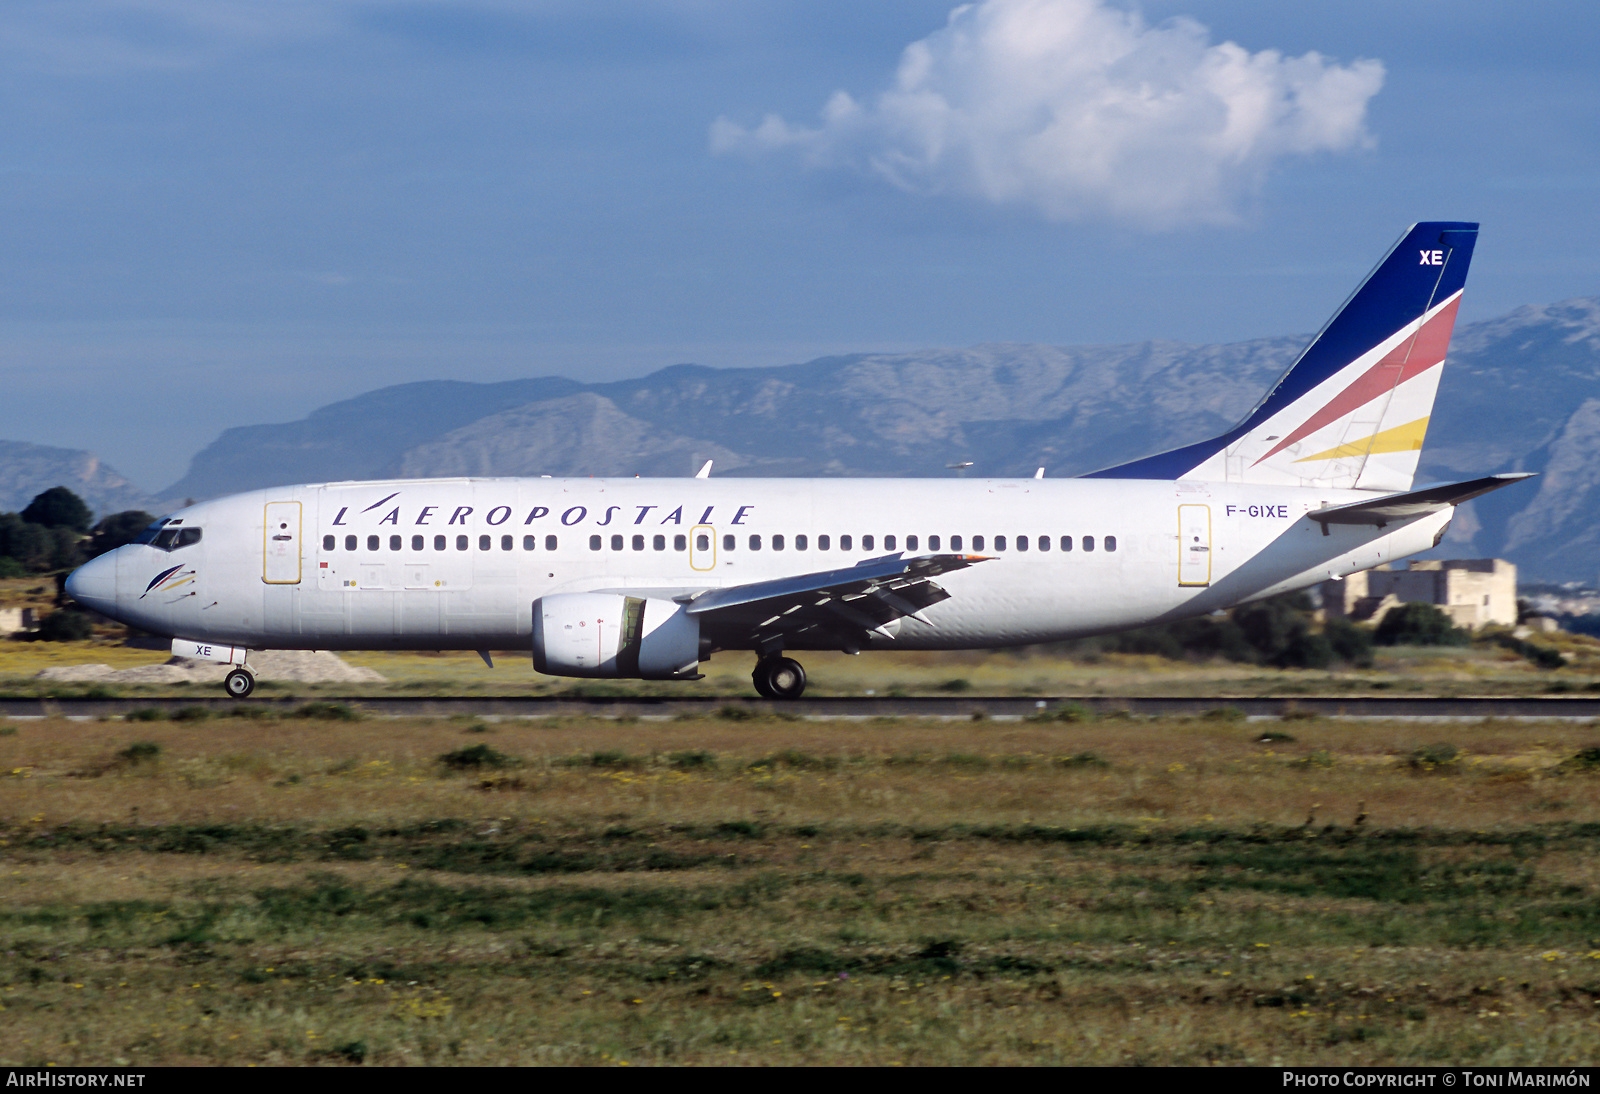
<point>834,607</point>
<point>1414,503</point>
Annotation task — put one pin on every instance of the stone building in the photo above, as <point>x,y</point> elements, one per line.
<point>1473,592</point>
<point>17,620</point>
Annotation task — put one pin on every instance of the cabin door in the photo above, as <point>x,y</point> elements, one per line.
<point>280,544</point>
<point>1194,545</point>
<point>702,547</point>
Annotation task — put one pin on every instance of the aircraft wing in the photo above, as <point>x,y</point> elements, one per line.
<point>1413,503</point>
<point>833,608</point>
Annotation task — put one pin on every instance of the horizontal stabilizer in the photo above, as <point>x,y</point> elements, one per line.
<point>1414,503</point>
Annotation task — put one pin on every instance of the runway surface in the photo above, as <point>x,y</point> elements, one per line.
<point>1579,708</point>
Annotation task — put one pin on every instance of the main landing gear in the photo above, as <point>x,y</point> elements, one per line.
<point>240,683</point>
<point>779,678</point>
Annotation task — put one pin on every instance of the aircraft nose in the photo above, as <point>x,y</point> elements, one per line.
<point>94,584</point>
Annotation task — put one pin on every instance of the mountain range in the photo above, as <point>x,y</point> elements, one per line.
<point>1519,393</point>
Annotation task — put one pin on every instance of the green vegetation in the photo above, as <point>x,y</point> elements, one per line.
<point>1419,625</point>
<point>1108,891</point>
<point>1279,632</point>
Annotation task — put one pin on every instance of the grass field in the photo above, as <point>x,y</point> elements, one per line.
<point>322,890</point>
<point>1482,669</point>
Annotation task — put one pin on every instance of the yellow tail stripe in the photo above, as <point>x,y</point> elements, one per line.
<point>1402,438</point>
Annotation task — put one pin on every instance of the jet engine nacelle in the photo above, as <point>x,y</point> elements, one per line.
<point>610,634</point>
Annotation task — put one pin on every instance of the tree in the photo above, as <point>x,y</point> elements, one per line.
<point>58,507</point>
<point>32,545</point>
<point>118,530</point>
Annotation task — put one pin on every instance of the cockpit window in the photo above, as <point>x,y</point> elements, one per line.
<point>150,533</point>
<point>169,535</point>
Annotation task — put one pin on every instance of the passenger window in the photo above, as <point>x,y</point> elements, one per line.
<point>800,543</point>
<point>594,543</point>
<point>888,543</point>
<point>461,543</point>
<point>999,543</point>
<point>372,543</point>
<point>1088,543</point>
<point>327,543</point>
<point>1044,543</point>
<point>1022,543</point>
<point>822,543</point>
<point>933,543</point>
<point>438,543</point>
<point>508,543</point>
<point>681,543</point>
<point>616,543</point>
<point>911,543</point>
<point>777,542</point>
<point>728,542</point>
<point>846,543</point>
<point>1066,543</point>
<point>395,543</point>
<point>659,543</point>
<point>416,543</point>
<point>485,543</point>
<point>638,543</point>
<point>1111,543</point>
<point>702,542</point>
<point>550,543</point>
<point>349,543</point>
<point>866,543</point>
<point>955,543</point>
<point>530,543</point>
<point>977,543</point>
<point>755,543</point>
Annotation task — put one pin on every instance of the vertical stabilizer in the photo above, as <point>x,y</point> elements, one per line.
<point>1353,410</point>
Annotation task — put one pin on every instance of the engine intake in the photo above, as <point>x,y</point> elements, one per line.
<point>614,635</point>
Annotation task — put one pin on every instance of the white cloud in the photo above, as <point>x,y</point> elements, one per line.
<point>1080,111</point>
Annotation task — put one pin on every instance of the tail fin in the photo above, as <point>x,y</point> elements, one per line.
<point>1353,409</point>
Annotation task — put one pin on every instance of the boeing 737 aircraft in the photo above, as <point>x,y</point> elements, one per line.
<point>647,578</point>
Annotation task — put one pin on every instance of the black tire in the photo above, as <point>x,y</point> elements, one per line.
<point>779,678</point>
<point>239,684</point>
<point>759,679</point>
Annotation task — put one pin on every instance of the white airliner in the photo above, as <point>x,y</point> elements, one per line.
<point>647,578</point>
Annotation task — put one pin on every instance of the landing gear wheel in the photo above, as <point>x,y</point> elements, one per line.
<point>239,684</point>
<point>779,678</point>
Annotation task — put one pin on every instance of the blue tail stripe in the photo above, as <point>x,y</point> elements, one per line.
<point>1402,287</point>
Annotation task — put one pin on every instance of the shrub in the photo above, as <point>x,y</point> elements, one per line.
<point>1440,756</point>
<point>333,712</point>
<point>1418,625</point>
<point>140,752</point>
<point>1350,643</point>
<point>65,626</point>
<point>475,758</point>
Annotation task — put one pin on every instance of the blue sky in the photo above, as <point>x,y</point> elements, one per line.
<point>224,212</point>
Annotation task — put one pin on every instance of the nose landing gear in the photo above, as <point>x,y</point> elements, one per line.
<point>240,683</point>
<point>779,678</point>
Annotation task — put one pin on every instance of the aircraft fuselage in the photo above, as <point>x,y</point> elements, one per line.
<point>457,564</point>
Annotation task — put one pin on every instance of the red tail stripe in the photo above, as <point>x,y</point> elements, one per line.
<point>1411,357</point>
